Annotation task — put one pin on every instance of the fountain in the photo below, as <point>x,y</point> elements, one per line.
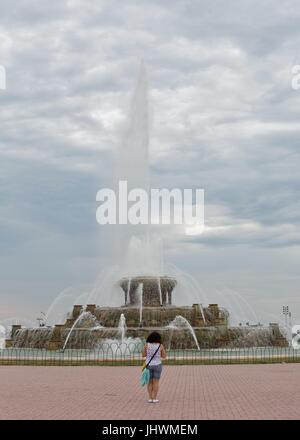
<point>148,303</point>
<point>184,327</point>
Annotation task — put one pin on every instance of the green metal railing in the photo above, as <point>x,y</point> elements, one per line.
<point>131,354</point>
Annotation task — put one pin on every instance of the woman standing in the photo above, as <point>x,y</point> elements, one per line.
<point>154,352</point>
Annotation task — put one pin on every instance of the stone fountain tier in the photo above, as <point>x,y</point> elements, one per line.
<point>154,317</point>
<point>208,337</point>
<point>157,291</point>
<point>211,333</point>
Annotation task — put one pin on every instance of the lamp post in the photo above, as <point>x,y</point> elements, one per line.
<point>285,312</point>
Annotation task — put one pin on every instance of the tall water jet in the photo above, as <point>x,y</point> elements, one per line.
<point>132,165</point>
<point>140,296</point>
<point>122,327</point>
<point>133,157</point>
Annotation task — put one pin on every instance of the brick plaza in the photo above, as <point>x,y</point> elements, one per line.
<point>187,392</point>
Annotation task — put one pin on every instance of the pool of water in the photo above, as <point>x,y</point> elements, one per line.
<point>120,351</point>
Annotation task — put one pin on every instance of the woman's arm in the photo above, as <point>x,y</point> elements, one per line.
<point>163,352</point>
<point>144,353</point>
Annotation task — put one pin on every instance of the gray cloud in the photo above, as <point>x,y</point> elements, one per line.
<point>225,118</point>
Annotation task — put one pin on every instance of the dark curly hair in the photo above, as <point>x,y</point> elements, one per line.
<point>154,337</point>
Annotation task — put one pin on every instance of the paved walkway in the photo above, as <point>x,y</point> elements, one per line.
<point>187,392</point>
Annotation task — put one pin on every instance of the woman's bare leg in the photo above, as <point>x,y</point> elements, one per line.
<point>155,388</point>
<point>150,388</point>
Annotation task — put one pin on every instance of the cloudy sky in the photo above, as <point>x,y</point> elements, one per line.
<point>224,117</point>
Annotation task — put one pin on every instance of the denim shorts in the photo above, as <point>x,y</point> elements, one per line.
<point>155,371</point>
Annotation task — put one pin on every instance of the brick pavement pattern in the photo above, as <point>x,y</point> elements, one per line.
<point>187,392</point>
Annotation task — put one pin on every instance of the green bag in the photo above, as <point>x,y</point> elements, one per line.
<point>145,377</point>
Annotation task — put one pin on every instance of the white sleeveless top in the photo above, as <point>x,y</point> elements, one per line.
<point>150,350</point>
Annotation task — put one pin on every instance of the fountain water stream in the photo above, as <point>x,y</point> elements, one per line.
<point>202,313</point>
<point>122,327</point>
<point>128,290</point>
<point>81,317</point>
<point>140,296</point>
<point>159,290</point>
<point>180,323</point>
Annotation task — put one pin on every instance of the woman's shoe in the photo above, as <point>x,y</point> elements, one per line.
<point>150,401</point>
<point>155,400</point>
